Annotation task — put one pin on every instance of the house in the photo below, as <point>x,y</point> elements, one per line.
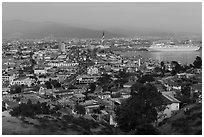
<point>42,90</point>
<point>86,79</point>
<point>82,88</point>
<point>125,95</point>
<point>78,98</point>
<point>40,71</point>
<point>63,93</point>
<point>92,70</point>
<point>184,75</point>
<point>172,105</point>
<point>172,85</point>
<point>170,93</point>
<point>128,84</point>
<point>125,92</point>
<point>90,105</point>
<point>42,80</point>
<point>104,95</point>
<point>60,64</point>
<point>22,80</point>
<point>8,77</point>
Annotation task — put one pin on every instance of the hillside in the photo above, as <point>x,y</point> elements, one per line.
<point>184,123</point>
<point>34,30</point>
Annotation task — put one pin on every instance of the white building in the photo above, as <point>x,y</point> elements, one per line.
<point>62,64</point>
<point>86,79</point>
<point>39,71</point>
<point>8,78</point>
<point>23,80</point>
<point>92,70</point>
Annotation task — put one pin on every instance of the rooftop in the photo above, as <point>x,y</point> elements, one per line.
<point>169,99</point>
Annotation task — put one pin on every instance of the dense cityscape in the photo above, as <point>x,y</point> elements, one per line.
<point>85,86</point>
<point>101,68</point>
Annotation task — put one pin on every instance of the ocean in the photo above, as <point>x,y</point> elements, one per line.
<point>180,56</point>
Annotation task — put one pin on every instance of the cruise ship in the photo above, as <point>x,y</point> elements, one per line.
<point>171,46</point>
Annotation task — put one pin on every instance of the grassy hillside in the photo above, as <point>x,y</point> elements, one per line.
<point>184,123</point>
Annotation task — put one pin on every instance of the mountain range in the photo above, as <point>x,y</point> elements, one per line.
<point>36,30</point>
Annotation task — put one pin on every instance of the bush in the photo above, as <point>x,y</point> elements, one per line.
<point>29,110</point>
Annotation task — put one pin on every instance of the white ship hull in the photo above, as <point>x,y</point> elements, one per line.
<point>173,48</point>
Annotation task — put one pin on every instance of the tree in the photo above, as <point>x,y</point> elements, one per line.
<point>15,89</point>
<point>3,106</point>
<point>92,87</point>
<point>29,109</point>
<point>198,62</point>
<point>146,78</point>
<point>191,66</point>
<point>162,64</point>
<point>135,88</point>
<point>173,72</point>
<point>37,108</point>
<point>185,95</point>
<point>157,69</point>
<point>176,66</point>
<point>185,67</point>
<point>147,129</point>
<point>55,83</point>
<point>186,91</point>
<point>80,109</point>
<point>104,81</point>
<point>45,108</point>
<point>122,77</point>
<point>48,84</point>
<point>162,68</point>
<point>140,109</point>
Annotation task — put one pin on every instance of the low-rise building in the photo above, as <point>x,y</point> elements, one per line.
<point>92,70</point>
<point>62,64</point>
<point>172,105</point>
<point>39,71</point>
<point>104,95</point>
<point>184,75</point>
<point>8,78</point>
<point>90,105</point>
<point>22,81</point>
<point>78,98</point>
<point>87,79</point>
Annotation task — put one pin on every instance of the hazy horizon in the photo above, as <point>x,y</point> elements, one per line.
<point>118,16</point>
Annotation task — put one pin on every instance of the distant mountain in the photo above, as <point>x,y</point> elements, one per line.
<point>35,30</point>
<point>150,33</point>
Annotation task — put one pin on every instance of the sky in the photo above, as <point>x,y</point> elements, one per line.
<point>173,16</point>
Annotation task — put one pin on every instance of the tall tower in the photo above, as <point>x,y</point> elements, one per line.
<point>139,63</point>
<point>102,40</point>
